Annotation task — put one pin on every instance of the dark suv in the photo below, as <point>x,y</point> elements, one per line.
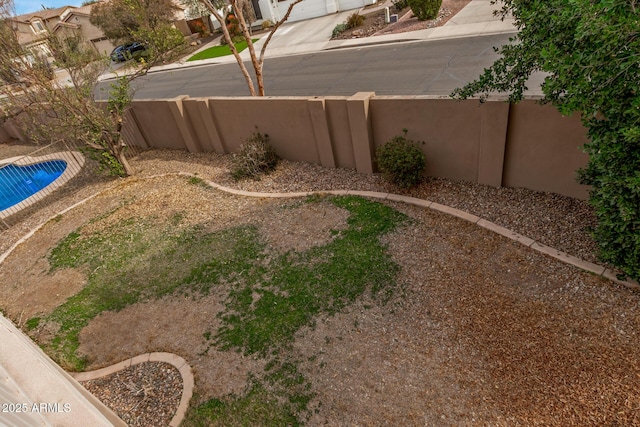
<point>126,51</point>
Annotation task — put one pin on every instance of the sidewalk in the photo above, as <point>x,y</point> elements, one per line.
<point>313,35</point>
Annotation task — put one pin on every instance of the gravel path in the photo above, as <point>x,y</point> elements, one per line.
<point>146,394</point>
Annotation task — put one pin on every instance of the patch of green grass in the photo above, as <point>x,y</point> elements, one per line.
<point>270,296</point>
<point>265,311</point>
<point>279,398</point>
<point>139,260</point>
<point>194,180</point>
<point>32,323</point>
<point>285,380</point>
<point>217,51</point>
<point>315,198</point>
<point>257,407</point>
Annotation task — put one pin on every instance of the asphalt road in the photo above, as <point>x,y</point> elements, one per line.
<point>416,68</point>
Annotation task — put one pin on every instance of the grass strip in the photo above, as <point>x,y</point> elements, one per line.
<point>218,51</point>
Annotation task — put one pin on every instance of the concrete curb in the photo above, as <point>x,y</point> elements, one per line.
<point>527,241</point>
<point>503,231</point>
<point>178,362</point>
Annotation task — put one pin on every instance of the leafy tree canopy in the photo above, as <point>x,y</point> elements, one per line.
<point>120,19</point>
<point>590,52</point>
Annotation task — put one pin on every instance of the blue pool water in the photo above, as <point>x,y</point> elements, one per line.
<point>18,183</point>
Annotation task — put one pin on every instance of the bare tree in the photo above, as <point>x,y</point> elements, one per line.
<point>238,7</point>
<point>49,111</point>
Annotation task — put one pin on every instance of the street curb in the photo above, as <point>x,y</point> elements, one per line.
<point>329,48</point>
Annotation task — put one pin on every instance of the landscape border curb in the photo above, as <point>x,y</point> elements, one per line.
<point>466,216</point>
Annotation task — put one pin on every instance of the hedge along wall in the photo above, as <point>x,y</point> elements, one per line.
<point>524,145</point>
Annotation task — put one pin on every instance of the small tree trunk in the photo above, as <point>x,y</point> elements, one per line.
<point>116,147</point>
<point>257,62</point>
<point>257,65</point>
<point>227,36</point>
<point>125,163</point>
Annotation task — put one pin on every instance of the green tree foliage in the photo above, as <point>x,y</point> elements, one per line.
<point>590,52</point>
<point>194,9</point>
<point>425,9</point>
<point>121,19</point>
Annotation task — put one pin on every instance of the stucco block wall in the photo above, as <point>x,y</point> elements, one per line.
<point>495,143</point>
<point>338,122</point>
<point>450,130</point>
<point>286,120</point>
<point>157,123</point>
<point>543,150</point>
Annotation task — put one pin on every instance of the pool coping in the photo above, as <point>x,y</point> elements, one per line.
<point>68,156</point>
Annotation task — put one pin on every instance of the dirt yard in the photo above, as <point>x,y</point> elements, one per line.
<point>479,331</point>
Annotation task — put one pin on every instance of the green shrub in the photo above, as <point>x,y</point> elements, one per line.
<point>255,157</point>
<point>400,4</point>
<point>339,29</point>
<point>355,20</point>
<point>425,9</point>
<point>401,161</point>
<point>613,173</point>
<point>267,24</point>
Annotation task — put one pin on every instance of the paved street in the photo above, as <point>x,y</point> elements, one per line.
<point>417,68</point>
<point>302,60</point>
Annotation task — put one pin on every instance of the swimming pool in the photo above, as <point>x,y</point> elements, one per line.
<point>27,179</point>
<point>18,183</point>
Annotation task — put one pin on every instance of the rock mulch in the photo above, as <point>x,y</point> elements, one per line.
<point>374,23</point>
<point>146,394</point>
